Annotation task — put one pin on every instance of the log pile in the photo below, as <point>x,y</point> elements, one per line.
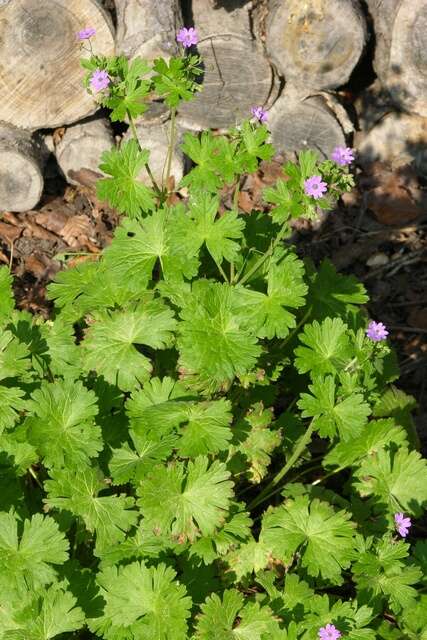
<point>293,57</point>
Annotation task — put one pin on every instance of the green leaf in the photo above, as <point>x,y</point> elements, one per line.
<point>41,615</point>
<point>219,233</point>
<point>123,190</point>
<point>186,501</point>
<point>26,558</point>
<point>249,558</point>
<point>77,492</point>
<point>211,340</point>
<point>214,157</point>
<point>382,572</point>
<point>14,360</point>
<point>172,80</point>
<point>63,429</point>
<point>375,436</point>
<point>62,355</point>
<point>137,246</point>
<point>322,537</point>
<point>231,619</point>
<point>142,602</point>
<point>398,479</point>
<point>11,403</point>
<point>256,442</point>
<point>70,284</point>
<point>327,347</point>
<point>7,302</point>
<point>332,416</point>
<point>253,146</point>
<point>207,429</point>
<point>129,96</point>
<point>129,464</point>
<point>109,345</point>
<point>265,314</point>
<point>333,294</point>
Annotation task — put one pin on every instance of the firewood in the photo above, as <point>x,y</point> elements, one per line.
<point>222,17</point>
<point>315,43</point>
<point>148,28</point>
<point>300,122</point>
<point>22,159</point>
<point>81,147</point>
<point>400,56</point>
<point>40,55</point>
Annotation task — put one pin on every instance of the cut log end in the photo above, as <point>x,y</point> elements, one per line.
<point>40,56</point>
<point>22,159</point>
<point>236,77</point>
<point>298,125</point>
<point>81,148</point>
<point>315,43</point>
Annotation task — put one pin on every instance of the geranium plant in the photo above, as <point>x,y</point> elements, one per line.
<point>205,440</point>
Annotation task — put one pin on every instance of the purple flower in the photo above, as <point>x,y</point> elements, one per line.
<point>343,155</point>
<point>402,524</point>
<point>315,187</point>
<point>187,37</point>
<point>259,114</point>
<point>85,34</point>
<point>376,331</point>
<point>99,80</point>
<point>330,632</point>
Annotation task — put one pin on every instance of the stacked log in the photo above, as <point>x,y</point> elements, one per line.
<point>289,56</point>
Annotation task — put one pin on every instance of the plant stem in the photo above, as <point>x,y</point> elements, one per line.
<point>172,133</point>
<point>264,257</point>
<point>147,166</point>
<point>299,448</point>
<point>294,331</point>
<point>222,272</point>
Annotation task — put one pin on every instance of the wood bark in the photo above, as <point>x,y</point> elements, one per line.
<point>22,159</point>
<point>401,51</point>
<point>155,138</point>
<point>81,147</point>
<point>222,17</point>
<point>147,28</point>
<point>315,43</point>
<point>40,55</point>
<point>237,76</point>
<point>301,122</point>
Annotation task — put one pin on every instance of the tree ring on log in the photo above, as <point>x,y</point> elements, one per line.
<point>407,76</point>
<point>40,56</point>
<point>236,76</point>
<point>299,125</point>
<point>315,43</point>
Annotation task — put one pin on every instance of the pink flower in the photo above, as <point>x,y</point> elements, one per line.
<point>402,524</point>
<point>99,80</point>
<point>187,37</point>
<point>315,187</point>
<point>343,155</point>
<point>259,114</point>
<point>376,331</point>
<point>87,33</point>
<point>330,632</point>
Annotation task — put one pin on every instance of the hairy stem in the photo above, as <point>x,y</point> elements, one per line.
<point>258,264</point>
<point>270,489</point>
<point>171,146</point>
<point>147,166</point>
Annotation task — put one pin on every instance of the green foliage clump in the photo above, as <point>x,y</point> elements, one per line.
<point>203,442</point>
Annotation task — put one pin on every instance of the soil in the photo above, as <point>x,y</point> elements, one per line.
<point>384,246</point>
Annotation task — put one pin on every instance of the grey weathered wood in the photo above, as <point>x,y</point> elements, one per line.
<point>222,17</point>
<point>398,139</point>
<point>237,76</point>
<point>40,72</point>
<point>401,51</point>
<point>298,122</point>
<point>155,138</point>
<point>22,159</point>
<point>81,147</point>
<point>315,43</point>
<point>147,28</point>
